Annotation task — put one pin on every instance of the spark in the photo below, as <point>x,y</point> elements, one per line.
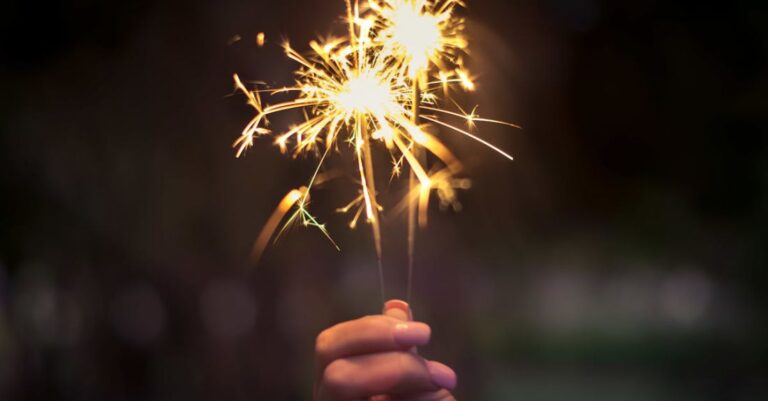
<point>234,39</point>
<point>274,221</point>
<point>420,32</point>
<point>371,89</point>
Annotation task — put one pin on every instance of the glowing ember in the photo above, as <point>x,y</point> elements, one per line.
<point>374,87</point>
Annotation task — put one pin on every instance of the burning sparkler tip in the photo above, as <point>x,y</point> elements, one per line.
<point>376,87</point>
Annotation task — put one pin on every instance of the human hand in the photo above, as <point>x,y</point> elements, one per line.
<point>374,358</point>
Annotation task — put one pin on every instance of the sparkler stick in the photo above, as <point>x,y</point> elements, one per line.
<point>417,31</point>
<point>374,221</point>
<point>373,88</point>
<point>412,205</point>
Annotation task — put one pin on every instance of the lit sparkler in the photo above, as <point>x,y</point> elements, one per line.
<point>421,32</point>
<point>372,88</point>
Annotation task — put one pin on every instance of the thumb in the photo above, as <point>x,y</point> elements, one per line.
<point>398,309</point>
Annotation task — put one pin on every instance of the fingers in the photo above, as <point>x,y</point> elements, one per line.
<point>367,335</point>
<point>394,373</point>
<point>440,395</point>
<point>375,355</point>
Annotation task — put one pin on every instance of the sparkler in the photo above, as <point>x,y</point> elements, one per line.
<point>419,32</point>
<point>371,89</point>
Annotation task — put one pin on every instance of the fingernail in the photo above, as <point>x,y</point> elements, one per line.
<point>397,309</point>
<point>442,376</point>
<point>411,334</point>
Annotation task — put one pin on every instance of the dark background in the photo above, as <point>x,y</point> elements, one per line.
<point>622,256</point>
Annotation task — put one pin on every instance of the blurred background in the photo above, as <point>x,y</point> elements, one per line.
<point>622,256</point>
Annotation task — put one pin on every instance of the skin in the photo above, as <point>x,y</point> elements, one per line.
<point>374,359</point>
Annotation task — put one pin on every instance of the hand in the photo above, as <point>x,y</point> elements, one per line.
<point>374,358</point>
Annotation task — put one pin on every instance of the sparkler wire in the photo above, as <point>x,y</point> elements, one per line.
<point>376,87</point>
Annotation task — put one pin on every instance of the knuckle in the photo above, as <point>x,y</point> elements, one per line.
<point>336,376</point>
